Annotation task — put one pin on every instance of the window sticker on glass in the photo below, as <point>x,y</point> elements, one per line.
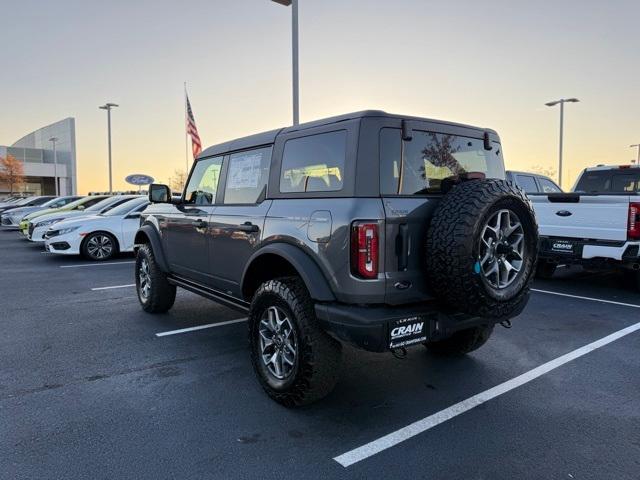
<point>245,171</point>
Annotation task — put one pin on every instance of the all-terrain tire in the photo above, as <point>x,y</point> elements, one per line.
<point>462,342</point>
<point>453,249</point>
<point>317,362</point>
<point>161,295</point>
<point>545,269</point>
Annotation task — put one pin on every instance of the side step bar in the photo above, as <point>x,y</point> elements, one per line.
<point>219,297</point>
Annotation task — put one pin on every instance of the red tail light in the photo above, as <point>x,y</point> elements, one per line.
<point>633,232</point>
<point>364,250</point>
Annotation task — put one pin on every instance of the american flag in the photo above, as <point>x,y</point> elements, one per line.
<point>192,130</point>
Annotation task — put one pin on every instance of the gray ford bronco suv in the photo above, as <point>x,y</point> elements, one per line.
<point>376,230</point>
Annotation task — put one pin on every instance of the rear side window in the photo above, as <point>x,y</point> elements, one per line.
<point>429,158</point>
<point>203,183</point>
<point>527,183</point>
<point>314,163</point>
<point>247,177</point>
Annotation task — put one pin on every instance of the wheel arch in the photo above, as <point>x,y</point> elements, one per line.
<point>281,259</point>
<point>148,234</point>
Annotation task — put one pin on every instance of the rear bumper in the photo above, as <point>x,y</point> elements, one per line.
<point>371,327</point>
<point>593,252</point>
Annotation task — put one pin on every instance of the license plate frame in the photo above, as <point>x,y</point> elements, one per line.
<point>407,331</point>
<point>570,248</point>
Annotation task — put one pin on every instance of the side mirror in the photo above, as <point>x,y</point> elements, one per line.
<point>159,193</point>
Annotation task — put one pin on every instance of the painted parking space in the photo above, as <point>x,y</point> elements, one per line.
<point>91,375</point>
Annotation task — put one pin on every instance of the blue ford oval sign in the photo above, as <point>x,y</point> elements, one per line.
<point>139,179</point>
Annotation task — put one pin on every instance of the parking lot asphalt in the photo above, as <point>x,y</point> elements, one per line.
<point>89,390</point>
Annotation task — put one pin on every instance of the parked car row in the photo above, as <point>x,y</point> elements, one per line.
<point>98,227</point>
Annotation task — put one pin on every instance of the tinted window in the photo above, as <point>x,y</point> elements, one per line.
<point>203,183</point>
<point>247,176</point>
<point>314,163</point>
<point>430,158</point>
<point>527,183</point>
<point>548,186</point>
<point>92,201</point>
<point>594,182</point>
<point>625,182</point>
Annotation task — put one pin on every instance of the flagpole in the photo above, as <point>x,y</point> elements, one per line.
<point>186,133</point>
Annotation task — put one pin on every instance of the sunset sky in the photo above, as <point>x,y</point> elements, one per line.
<point>489,63</point>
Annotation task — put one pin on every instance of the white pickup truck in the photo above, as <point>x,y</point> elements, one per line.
<point>596,225</point>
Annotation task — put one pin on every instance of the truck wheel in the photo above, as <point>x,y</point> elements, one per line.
<point>462,342</point>
<point>155,293</point>
<point>482,247</point>
<point>296,362</point>
<point>99,246</point>
<point>545,269</point>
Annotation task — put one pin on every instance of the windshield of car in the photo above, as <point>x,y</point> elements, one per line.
<point>125,207</point>
<point>609,181</point>
<point>419,166</point>
<point>57,202</point>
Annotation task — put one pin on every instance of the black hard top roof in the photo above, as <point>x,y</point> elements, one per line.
<point>266,138</point>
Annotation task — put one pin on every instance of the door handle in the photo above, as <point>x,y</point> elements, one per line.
<point>199,223</point>
<point>247,227</point>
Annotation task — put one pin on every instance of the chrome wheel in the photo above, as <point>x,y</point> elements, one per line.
<point>144,279</point>
<point>100,246</point>
<point>501,249</point>
<point>278,344</point>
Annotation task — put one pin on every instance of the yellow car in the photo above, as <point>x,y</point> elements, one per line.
<point>80,204</point>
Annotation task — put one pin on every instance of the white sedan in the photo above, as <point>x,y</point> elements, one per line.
<point>39,226</point>
<point>98,237</point>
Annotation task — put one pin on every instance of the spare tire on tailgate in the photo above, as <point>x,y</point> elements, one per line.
<point>481,249</point>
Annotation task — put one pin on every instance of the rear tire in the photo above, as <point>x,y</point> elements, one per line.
<point>462,342</point>
<point>296,362</point>
<point>545,269</point>
<point>155,293</point>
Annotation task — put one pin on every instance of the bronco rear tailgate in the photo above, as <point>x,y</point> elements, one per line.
<point>585,216</point>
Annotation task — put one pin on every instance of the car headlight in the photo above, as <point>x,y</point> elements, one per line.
<point>64,231</point>
<point>47,222</point>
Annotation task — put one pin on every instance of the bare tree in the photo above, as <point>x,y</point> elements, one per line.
<point>546,171</point>
<point>11,172</point>
<point>177,181</point>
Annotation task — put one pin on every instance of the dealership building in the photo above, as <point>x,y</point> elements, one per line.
<point>41,166</point>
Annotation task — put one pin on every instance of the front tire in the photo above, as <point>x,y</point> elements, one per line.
<point>155,293</point>
<point>295,361</point>
<point>462,342</point>
<point>99,246</point>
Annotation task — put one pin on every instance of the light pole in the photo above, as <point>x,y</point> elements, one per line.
<point>294,56</point>
<point>53,140</point>
<point>108,107</point>
<point>562,101</point>
<point>637,145</point>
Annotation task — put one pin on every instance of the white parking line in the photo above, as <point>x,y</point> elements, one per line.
<point>114,286</point>
<point>200,327</point>
<point>97,264</point>
<point>586,298</point>
<point>421,426</point>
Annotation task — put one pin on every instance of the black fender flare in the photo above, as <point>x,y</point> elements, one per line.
<point>156,245</point>
<point>308,270</point>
